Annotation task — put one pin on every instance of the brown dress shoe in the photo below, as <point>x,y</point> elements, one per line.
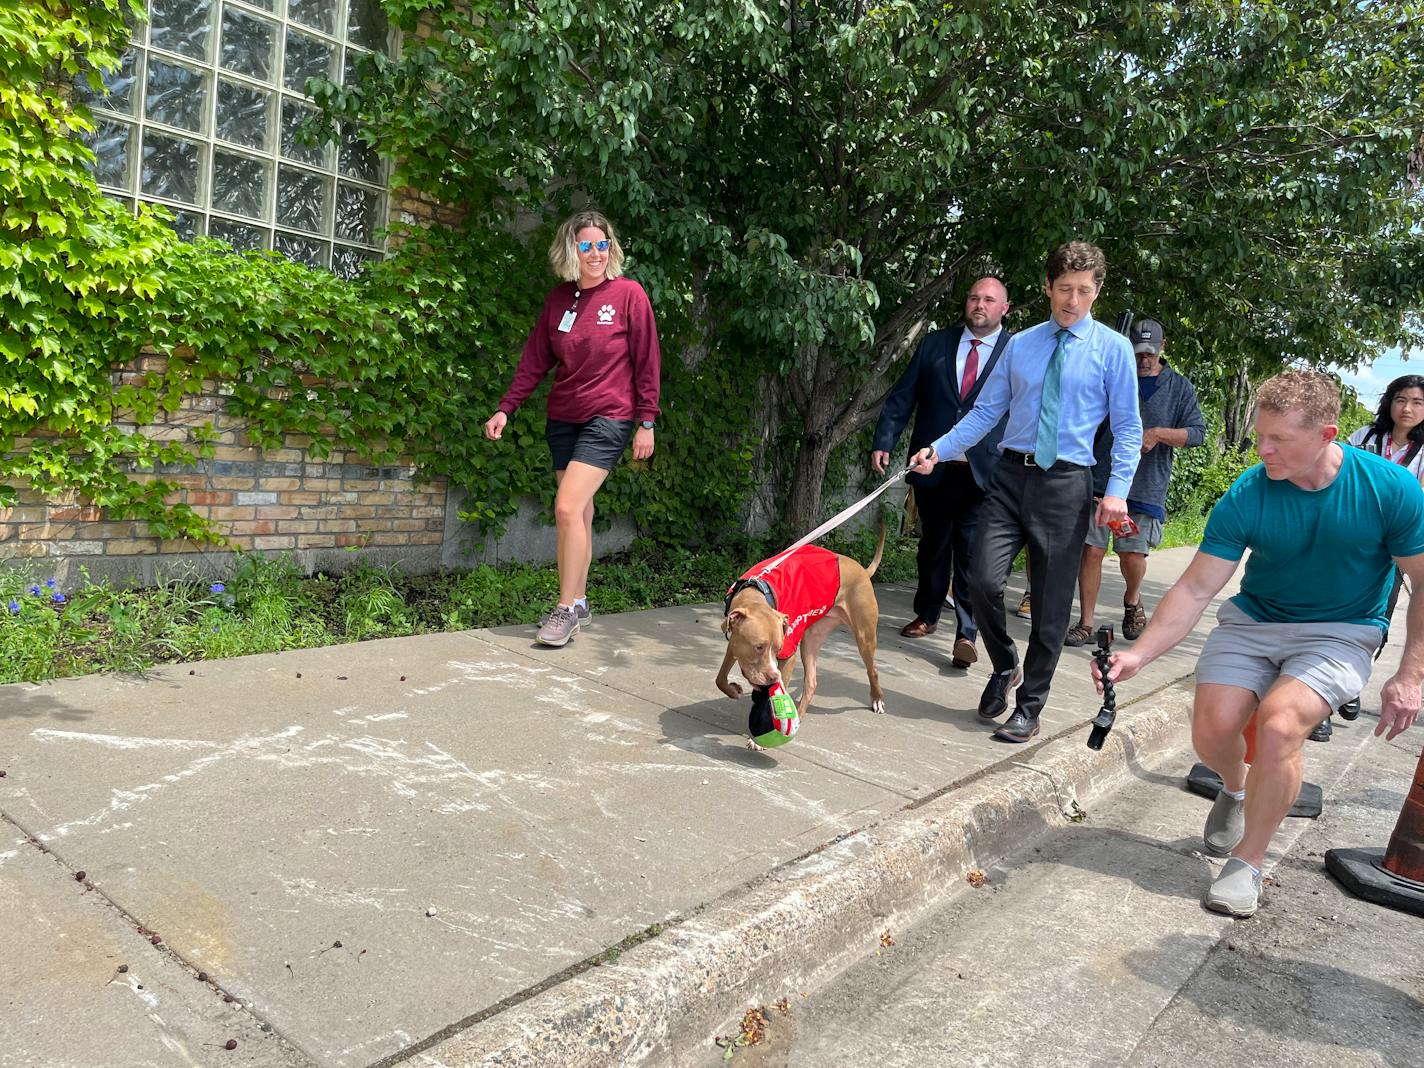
<point>964,653</point>
<point>918,628</point>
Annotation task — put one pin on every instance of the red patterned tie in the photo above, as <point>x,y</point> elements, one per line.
<point>971,369</point>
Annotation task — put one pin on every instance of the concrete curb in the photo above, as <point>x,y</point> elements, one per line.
<point>662,999</point>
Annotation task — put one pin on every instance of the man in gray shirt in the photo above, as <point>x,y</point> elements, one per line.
<point>1171,420</point>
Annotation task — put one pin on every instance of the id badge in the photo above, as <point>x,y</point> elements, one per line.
<point>567,322</point>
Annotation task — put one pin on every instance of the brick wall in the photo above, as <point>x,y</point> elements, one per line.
<point>327,511</point>
<point>328,514</point>
<point>410,206</point>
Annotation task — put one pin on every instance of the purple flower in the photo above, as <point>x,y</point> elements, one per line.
<point>50,584</point>
<point>58,597</point>
<point>217,587</point>
<point>35,591</point>
<point>14,607</point>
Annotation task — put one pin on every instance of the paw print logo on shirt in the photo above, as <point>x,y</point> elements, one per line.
<point>605,315</point>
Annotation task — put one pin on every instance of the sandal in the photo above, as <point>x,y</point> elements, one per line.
<point>1078,634</point>
<point>1134,621</point>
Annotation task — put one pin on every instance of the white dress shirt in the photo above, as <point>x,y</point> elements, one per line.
<point>986,349</point>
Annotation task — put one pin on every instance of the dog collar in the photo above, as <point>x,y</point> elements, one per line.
<point>744,583</point>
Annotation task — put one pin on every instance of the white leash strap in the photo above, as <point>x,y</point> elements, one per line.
<point>835,520</point>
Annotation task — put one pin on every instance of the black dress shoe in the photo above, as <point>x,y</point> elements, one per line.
<point>1350,710</point>
<point>995,698</point>
<point>1019,727</point>
<point>1322,732</point>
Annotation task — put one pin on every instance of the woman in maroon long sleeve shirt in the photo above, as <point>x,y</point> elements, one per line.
<point>598,335</point>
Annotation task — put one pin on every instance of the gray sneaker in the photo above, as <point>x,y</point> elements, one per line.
<point>584,613</point>
<point>1236,891</point>
<point>1225,825</point>
<point>561,625</point>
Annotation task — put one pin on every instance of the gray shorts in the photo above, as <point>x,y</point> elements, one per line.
<point>600,442</point>
<point>1147,538</point>
<point>1333,659</point>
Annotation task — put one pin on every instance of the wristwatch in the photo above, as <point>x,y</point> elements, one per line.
<point>646,424</point>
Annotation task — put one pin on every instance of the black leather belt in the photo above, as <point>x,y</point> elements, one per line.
<point>1026,460</point>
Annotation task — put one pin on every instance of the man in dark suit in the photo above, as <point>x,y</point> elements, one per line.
<point>941,383</point>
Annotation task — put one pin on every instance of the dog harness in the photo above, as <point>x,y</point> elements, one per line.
<point>803,586</point>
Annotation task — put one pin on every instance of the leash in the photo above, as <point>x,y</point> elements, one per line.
<point>835,521</point>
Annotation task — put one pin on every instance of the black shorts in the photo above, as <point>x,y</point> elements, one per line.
<point>599,442</point>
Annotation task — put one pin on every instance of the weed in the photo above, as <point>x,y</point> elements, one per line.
<point>267,605</point>
<point>371,605</point>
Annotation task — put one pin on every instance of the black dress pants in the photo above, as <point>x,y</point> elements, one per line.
<point>949,516</point>
<point>1047,510</point>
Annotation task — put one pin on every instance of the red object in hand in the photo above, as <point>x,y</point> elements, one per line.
<point>1124,527</point>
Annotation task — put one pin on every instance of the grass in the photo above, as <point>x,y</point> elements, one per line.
<point>267,605</point>
<point>1183,529</point>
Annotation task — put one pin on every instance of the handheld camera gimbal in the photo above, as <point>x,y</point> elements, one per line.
<point>1104,720</point>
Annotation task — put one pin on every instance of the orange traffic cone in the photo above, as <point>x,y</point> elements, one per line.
<point>1394,876</point>
<point>1202,780</point>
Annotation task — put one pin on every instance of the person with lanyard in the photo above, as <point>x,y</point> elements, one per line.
<point>1062,377</point>
<point>1397,434</point>
<point>1397,431</point>
<point>1171,420</point>
<point>598,334</point>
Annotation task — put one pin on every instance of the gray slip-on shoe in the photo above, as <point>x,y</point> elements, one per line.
<point>1236,891</point>
<point>1225,825</point>
<point>561,625</point>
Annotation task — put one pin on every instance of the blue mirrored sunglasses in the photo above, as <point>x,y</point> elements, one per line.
<point>589,246</point>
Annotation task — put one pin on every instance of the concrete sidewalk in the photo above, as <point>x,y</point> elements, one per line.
<point>1126,968</point>
<point>434,849</point>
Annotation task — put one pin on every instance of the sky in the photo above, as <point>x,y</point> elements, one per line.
<point>1369,381</point>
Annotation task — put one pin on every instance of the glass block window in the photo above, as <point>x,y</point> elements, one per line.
<point>203,118</point>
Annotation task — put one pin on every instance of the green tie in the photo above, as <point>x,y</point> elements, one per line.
<point>1045,450</point>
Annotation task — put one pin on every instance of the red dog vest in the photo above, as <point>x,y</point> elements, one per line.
<point>805,584</point>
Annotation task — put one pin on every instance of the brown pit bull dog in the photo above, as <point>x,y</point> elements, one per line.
<point>798,599</point>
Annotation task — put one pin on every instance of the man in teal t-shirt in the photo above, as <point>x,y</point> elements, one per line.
<point>1325,526</point>
<point>1310,563</point>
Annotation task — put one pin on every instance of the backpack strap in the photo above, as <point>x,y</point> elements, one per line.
<point>1409,453</point>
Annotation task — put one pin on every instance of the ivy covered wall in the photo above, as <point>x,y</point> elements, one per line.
<point>117,332</point>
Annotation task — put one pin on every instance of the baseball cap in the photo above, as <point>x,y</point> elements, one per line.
<point>1146,336</point>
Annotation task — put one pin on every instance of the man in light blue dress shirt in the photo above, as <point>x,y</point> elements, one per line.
<point>1064,376</point>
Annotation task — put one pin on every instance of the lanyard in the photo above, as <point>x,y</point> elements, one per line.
<point>567,322</point>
